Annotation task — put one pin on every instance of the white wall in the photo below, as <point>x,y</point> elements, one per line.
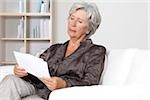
<point>0,31</point>
<point>149,25</point>
<point>124,23</point>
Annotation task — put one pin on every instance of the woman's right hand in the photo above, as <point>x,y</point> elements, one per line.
<point>19,71</point>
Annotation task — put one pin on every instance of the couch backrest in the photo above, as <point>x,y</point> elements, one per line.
<point>140,69</point>
<point>120,65</point>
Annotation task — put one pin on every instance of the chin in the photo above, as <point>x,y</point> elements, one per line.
<point>72,37</point>
<point>71,34</point>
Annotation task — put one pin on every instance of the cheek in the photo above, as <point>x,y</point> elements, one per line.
<point>68,26</point>
<point>83,29</point>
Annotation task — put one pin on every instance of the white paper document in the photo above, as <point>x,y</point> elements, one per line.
<point>33,65</point>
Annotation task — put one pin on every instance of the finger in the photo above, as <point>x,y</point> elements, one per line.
<point>46,78</point>
<point>51,86</point>
<point>21,75</point>
<point>47,81</point>
<point>20,72</point>
<point>19,68</point>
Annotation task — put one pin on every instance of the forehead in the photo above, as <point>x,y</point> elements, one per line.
<point>80,14</point>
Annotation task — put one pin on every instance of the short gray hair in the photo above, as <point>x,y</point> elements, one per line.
<point>94,17</point>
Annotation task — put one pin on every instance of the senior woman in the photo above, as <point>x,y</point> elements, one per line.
<point>77,62</point>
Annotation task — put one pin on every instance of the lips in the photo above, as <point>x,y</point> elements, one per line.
<point>72,30</point>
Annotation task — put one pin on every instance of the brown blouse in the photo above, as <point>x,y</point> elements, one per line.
<point>82,67</point>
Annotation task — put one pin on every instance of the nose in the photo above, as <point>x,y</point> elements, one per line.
<point>73,23</point>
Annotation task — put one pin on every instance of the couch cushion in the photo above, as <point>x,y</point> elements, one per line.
<point>140,71</point>
<point>118,66</point>
<point>101,92</point>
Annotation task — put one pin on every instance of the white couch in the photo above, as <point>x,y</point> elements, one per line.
<point>126,77</point>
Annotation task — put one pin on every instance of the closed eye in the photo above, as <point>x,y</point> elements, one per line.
<point>80,21</point>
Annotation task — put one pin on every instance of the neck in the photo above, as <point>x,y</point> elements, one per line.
<point>73,43</point>
<point>76,40</point>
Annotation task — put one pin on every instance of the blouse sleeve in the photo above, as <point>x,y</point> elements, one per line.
<point>93,70</point>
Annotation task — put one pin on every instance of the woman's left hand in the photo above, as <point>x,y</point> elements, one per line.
<point>54,83</point>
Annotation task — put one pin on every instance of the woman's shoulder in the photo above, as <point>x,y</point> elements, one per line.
<point>96,47</point>
<point>57,45</point>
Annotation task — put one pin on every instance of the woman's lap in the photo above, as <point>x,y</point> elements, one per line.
<point>12,87</point>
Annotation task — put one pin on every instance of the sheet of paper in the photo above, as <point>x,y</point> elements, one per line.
<point>33,65</point>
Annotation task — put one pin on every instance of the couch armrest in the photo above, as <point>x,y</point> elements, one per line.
<point>5,70</point>
<point>100,92</point>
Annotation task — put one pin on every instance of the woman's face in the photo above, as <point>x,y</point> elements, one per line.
<point>78,24</point>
